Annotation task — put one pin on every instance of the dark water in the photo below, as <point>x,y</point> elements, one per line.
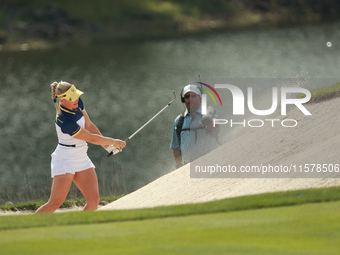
<point>125,84</point>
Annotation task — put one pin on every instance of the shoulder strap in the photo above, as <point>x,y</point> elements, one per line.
<point>180,124</point>
<point>179,128</point>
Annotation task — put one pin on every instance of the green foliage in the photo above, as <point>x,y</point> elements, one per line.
<point>104,11</point>
<point>27,206</point>
<point>88,20</point>
<point>118,10</point>
<point>33,205</point>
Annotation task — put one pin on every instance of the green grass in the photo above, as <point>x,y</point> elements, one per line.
<point>297,222</point>
<point>268,200</point>
<point>325,93</point>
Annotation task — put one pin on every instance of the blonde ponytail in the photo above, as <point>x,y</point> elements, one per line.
<point>54,95</point>
<point>59,88</point>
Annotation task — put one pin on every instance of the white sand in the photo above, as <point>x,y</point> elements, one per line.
<point>315,140</point>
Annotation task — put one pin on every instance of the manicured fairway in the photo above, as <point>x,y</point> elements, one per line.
<point>300,229</point>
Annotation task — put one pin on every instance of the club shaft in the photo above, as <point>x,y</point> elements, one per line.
<point>149,120</point>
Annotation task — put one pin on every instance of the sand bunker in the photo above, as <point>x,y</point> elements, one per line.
<point>315,140</point>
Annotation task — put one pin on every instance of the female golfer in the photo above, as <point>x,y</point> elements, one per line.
<point>70,162</point>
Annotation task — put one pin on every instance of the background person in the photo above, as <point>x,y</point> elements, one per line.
<point>193,133</point>
<point>70,162</point>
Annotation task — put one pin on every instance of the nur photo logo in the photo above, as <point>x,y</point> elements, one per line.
<point>281,99</point>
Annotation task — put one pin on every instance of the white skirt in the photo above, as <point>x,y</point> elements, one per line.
<point>70,160</point>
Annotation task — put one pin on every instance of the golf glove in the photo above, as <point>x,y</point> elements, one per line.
<point>112,149</point>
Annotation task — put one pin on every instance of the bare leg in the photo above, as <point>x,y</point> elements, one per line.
<point>87,183</point>
<point>60,188</point>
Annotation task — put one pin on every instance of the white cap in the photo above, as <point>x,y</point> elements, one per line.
<point>191,88</point>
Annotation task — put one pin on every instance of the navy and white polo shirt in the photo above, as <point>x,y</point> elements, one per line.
<point>69,123</point>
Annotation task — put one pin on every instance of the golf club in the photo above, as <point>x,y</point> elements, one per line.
<point>115,150</point>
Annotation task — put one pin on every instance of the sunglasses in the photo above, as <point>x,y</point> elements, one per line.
<point>190,96</point>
